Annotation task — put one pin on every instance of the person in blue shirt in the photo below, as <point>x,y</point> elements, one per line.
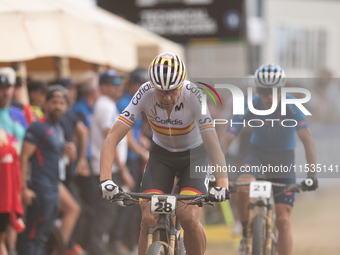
<point>85,182</point>
<point>44,148</point>
<point>272,144</point>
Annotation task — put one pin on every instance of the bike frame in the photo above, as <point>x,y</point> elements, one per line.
<point>165,230</point>
<point>265,209</point>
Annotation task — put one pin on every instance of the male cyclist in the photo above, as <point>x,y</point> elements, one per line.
<point>272,144</point>
<point>173,108</point>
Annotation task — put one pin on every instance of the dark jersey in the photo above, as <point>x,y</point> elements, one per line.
<point>68,123</point>
<point>49,139</point>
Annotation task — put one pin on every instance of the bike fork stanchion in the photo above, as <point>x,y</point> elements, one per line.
<point>172,241</point>
<point>251,207</point>
<point>149,239</point>
<point>269,230</point>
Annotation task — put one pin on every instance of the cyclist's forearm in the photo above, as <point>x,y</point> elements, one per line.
<point>218,160</point>
<point>222,182</point>
<point>311,157</point>
<point>107,157</point>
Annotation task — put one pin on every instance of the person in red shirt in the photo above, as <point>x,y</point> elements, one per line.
<point>10,185</point>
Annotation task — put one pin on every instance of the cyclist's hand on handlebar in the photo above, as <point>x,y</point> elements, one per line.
<point>108,189</point>
<point>310,183</point>
<point>219,194</point>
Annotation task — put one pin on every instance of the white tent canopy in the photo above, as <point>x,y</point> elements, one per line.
<point>41,28</point>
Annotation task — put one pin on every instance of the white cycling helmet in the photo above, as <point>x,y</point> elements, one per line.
<point>270,75</point>
<point>167,71</point>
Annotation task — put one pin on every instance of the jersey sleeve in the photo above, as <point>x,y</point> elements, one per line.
<point>35,133</point>
<point>137,104</point>
<point>205,121</point>
<point>295,113</point>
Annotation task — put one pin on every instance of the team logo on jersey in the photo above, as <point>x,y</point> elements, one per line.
<point>140,93</point>
<point>205,120</point>
<point>179,107</point>
<point>126,113</point>
<point>157,119</point>
<point>159,105</point>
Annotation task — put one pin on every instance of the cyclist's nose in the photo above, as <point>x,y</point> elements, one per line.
<point>167,97</point>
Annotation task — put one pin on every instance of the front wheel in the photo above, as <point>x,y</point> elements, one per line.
<point>156,248</point>
<point>181,247</point>
<point>259,235</point>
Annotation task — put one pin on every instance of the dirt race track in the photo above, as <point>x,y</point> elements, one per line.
<point>315,224</point>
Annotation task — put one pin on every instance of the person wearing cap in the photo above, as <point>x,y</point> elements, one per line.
<point>37,95</point>
<point>45,148</point>
<point>127,226</point>
<point>69,198</point>
<point>12,119</point>
<point>104,116</point>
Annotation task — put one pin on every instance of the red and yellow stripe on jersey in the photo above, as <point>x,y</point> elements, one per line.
<point>172,131</point>
<point>126,121</point>
<point>190,191</point>
<point>206,127</point>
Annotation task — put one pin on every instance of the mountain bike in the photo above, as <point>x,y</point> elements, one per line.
<point>170,241</point>
<point>261,230</point>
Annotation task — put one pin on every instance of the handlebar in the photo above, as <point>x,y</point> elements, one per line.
<point>131,198</point>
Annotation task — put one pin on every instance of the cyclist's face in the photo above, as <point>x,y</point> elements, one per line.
<point>168,98</point>
<point>266,96</point>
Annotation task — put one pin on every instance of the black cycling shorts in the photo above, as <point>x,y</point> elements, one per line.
<point>163,166</point>
<point>257,156</point>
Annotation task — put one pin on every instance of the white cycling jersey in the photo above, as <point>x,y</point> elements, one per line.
<point>181,130</point>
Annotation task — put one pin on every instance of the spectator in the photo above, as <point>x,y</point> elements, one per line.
<point>126,228</point>
<point>9,186</point>
<point>85,181</point>
<point>45,148</point>
<point>104,116</point>
<point>17,98</point>
<point>36,93</point>
<point>70,209</point>
<point>13,121</point>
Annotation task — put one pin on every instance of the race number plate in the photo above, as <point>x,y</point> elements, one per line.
<point>162,204</point>
<point>260,189</point>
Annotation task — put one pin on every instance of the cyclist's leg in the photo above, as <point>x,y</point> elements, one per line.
<point>195,240</point>
<point>246,175</point>
<point>158,178</point>
<point>283,208</point>
<point>283,201</point>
